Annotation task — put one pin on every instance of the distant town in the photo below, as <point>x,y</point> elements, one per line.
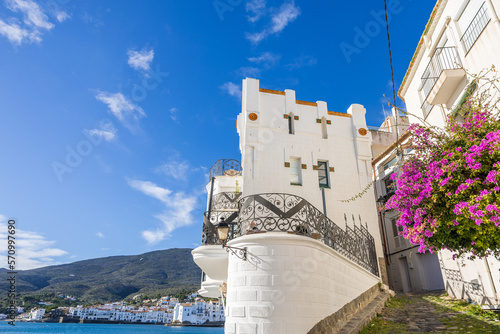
<point>168,310</point>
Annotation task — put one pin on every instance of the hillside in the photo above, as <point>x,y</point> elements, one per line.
<point>111,278</point>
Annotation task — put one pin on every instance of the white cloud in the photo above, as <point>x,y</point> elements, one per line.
<point>177,213</point>
<point>301,61</point>
<point>285,15</point>
<point>257,37</point>
<point>266,58</point>
<point>62,16</point>
<point>15,34</point>
<point>176,169</point>
<point>33,14</point>
<point>99,235</point>
<point>232,89</point>
<point>256,9</point>
<point>249,72</point>
<point>34,18</point>
<point>173,113</point>
<point>107,131</point>
<point>140,60</point>
<point>280,18</point>
<point>123,109</point>
<point>33,250</point>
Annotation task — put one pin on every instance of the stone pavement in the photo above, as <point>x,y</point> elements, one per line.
<point>419,316</point>
<point>424,313</point>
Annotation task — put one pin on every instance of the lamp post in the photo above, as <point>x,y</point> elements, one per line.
<point>223,234</point>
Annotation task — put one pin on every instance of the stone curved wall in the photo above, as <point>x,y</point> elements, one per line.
<point>288,284</point>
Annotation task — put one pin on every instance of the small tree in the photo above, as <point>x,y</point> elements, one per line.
<point>448,189</point>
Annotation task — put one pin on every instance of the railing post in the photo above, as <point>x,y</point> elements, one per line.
<point>210,199</point>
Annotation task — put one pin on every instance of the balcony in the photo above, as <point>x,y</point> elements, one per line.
<point>476,27</point>
<point>226,167</point>
<point>267,213</point>
<point>442,76</point>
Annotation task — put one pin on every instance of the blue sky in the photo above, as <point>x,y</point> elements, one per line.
<point>112,112</point>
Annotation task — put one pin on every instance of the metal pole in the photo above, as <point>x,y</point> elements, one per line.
<point>324,201</point>
<point>210,199</point>
<point>325,231</point>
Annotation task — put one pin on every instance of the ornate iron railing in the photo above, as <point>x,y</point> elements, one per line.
<point>226,201</point>
<point>230,167</point>
<point>443,58</point>
<point>476,27</point>
<point>293,214</point>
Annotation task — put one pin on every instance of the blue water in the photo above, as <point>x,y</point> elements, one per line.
<point>27,328</point>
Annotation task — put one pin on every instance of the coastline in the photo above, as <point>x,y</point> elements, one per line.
<point>66,320</point>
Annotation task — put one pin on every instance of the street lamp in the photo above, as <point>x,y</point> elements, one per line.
<point>223,234</point>
<point>223,230</point>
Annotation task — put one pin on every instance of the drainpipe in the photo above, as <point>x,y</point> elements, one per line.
<point>381,222</point>
<point>491,279</point>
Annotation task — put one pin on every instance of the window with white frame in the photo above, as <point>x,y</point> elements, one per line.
<point>295,171</point>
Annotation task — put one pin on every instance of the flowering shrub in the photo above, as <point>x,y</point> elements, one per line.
<point>448,190</point>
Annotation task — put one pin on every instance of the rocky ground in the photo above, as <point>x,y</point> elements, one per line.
<point>432,313</point>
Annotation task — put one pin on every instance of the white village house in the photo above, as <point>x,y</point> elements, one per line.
<point>461,39</point>
<point>408,270</point>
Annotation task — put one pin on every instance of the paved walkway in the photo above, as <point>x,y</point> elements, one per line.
<point>429,313</point>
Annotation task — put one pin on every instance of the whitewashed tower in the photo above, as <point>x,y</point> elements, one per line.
<point>308,252</point>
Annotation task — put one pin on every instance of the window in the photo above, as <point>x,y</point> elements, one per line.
<point>472,21</point>
<point>395,228</point>
<point>389,185</point>
<point>390,163</point>
<point>291,126</point>
<point>295,172</point>
<point>323,174</point>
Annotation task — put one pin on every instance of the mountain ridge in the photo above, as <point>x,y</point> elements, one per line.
<point>111,278</point>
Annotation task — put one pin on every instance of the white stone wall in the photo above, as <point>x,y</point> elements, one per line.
<point>471,279</point>
<point>288,284</point>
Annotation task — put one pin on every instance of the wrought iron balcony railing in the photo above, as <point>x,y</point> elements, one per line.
<point>226,201</point>
<point>293,214</point>
<point>476,27</point>
<point>443,58</point>
<point>426,108</point>
<point>229,167</point>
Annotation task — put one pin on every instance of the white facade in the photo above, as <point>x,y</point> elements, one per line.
<point>460,32</point>
<point>469,30</point>
<point>407,269</point>
<point>293,152</point>
<point>198,313</point>
<point>36,314</point>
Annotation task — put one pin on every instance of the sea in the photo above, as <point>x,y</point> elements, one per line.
<point>50,328</point>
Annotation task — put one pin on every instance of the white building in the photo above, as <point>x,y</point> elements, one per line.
<point>461,38</point>
<point>408,270</point>
<point>36,314</point>
<point>300,164</point>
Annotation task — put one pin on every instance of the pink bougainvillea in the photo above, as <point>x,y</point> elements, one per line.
<point>448,189</point>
